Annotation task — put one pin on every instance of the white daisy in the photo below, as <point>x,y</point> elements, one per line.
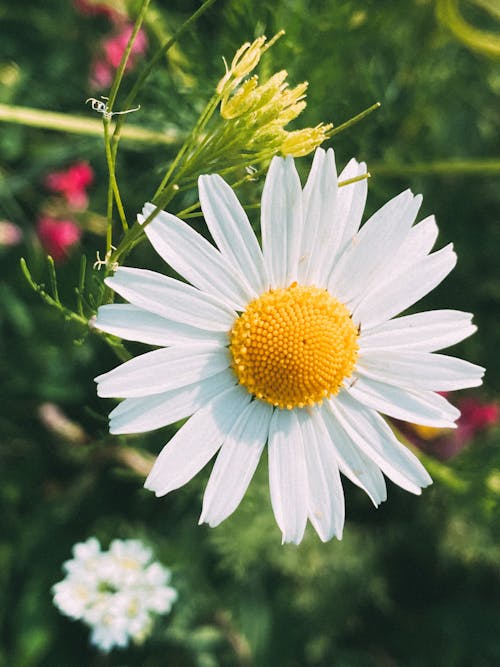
<point>293,344</point>
<point>116,592</point>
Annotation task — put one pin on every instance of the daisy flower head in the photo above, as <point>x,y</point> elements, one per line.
<point>116,592</point>
<point>291,343</point>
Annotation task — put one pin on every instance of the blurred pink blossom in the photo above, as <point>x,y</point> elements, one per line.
<point>103,68</point>
<point>57,236</point>
<point>72,183</point>
<point>444,443</point>
<point>10,234</point>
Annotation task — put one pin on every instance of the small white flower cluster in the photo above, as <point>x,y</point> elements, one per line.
<point>116,592</point>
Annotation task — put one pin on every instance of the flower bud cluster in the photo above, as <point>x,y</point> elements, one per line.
<point>259,112</point>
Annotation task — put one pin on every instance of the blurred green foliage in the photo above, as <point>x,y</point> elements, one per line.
<point>414,584</point>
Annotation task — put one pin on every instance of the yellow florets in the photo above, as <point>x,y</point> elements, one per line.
<point>293,347</point>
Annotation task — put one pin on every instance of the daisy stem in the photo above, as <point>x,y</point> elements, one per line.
<point>189,143</point>
<point>126,54</point>
<point>113,190</point>
<point>353,120</point>
<point>135,233</point>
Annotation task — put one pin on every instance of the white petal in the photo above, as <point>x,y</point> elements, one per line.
<point>376,242</point>
<point>400,292</point>
<point>137,415</point>
<point>374,437</point>
<point>351,202</point>
<point>196,442</point>
<point>419,370</point>
<point>163,370</point>
<point>194,258</point>
<point>351,460</point>
<point>319,201</point>
<point>281,221</point>
<point>132,323</point>
<point>417,407</point>
<point>427,332</point>
<point>287,475</point>
<point>171,299</point>
<point>231,230</point>
<point>326,508</point>
<point>236,463</point>
<point>419,242</point>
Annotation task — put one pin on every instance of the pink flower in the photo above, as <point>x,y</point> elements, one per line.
<point>101,75</point>
<point>10,234</point>
<point>443,443</point>
<point>116,45</point>
<point>103,69</point>
<point>57,236</point>
<point>72,184</point>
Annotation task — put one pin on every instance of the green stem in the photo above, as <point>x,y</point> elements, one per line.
<point>126,54</point>
<point>160,53</point>
<point>439,167</point>
<point>356,179</point>
<point>113,190</point>
<point>49,300</point>
<point>136,232</point>
<point>189,143</point>
<point>353,120</point>
<point>117,347</point>
<point>74,124</point>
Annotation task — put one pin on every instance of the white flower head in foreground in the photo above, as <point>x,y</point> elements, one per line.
<point>293,344</point>
<point>116,593</point>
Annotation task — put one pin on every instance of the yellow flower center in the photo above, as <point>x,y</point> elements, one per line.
<point>294,346</point>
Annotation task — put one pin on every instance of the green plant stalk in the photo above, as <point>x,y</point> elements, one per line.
<point>352,121</point>
<point>50,300</point>
<point>116,345</point>
<point>438,167</point>
<point>160,53</point>
<point>485,42</point>
<point>189,143</point>
<point>137,230</point>
<point>133,235</point>
<point>74,124</point>
<point>80,290</point>
<point>126,54</point>
<point>113,189</point>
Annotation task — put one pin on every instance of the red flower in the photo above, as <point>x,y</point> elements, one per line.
<point>57,236</point>
<point>445,443</point>
<point>72,184</point>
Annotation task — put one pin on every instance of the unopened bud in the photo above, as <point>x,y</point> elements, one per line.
<point>303,142</point>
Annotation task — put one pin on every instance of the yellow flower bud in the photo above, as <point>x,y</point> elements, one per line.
<point>241,101</point>
<point>289,114</point>
<point>302,142</point>
<point>245,60</point>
